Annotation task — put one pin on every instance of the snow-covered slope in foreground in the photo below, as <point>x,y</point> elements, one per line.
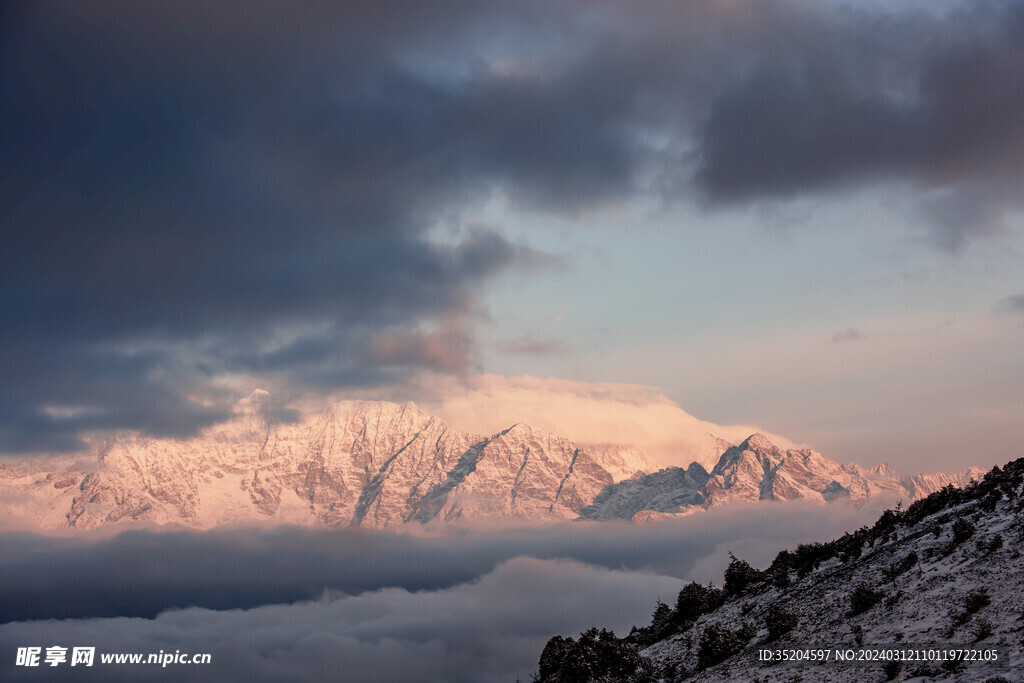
<point>945,574</point>
<point>376,464</point>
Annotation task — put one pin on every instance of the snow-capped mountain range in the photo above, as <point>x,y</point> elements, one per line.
<point>758,470</point>
<point>378,464</point>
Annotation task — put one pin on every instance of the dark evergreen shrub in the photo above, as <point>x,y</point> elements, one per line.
<point>991,500</point>
<point>962,530</point>
<point>973,601</point>
<point>976,599</point>
<point>941,499</point>
<point>779,621</point>
<point>695,600</point>
<point>553,655</point>
<point>992,545</point>
<point>900,566</point>
<point>780,578</point>
<point>886,523</point>
<point>808,556</point>
<point>778,572</point>
<point>739,575</point>
<point>850,546</point>
<point>718,643</point>
<point>596,656</point>
<point>663,624</point>
<point>862,598</point>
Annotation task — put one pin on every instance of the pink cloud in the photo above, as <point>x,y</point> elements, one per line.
<point>587,413</point>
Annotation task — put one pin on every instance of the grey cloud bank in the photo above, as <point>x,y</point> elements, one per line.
<point>490,629</point>
<point>211,192</point>
<point>454,604</point>
<point>141,573</point>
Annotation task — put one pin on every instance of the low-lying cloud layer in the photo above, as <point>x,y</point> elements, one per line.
<point>450,603</point>
<point>490,629</point>
<point>140,573</point>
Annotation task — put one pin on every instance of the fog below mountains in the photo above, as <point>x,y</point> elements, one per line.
<point>438,603</point>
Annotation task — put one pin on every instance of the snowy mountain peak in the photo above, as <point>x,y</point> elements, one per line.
<point>382,413</point>
<point>755,453</point>
<point>757,470</point>
<point>376,464</point>
<point>758,442</point>
<point>884,469</point>
<point>251,403</point>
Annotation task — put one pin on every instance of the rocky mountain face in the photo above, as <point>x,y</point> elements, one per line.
<point>368,464</point>
<point>376,464</point>
<point>758,470</point>
<point>942,575</point>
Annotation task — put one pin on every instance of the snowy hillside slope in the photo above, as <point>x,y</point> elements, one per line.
<point>946,572</point>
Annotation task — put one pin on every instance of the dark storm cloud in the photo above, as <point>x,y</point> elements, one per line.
<point>194,190</point>
<point>181,186</point>
<point>852,98</point>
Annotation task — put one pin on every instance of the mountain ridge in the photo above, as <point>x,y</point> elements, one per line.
<point>377,464</point>
<point>758,470</point>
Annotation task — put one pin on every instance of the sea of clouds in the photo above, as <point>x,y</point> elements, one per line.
<point>467,603</point>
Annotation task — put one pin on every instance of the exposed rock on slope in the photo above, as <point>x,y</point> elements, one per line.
<point>758,470</point>
<point>668,490</point>
<point>369,464</point>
